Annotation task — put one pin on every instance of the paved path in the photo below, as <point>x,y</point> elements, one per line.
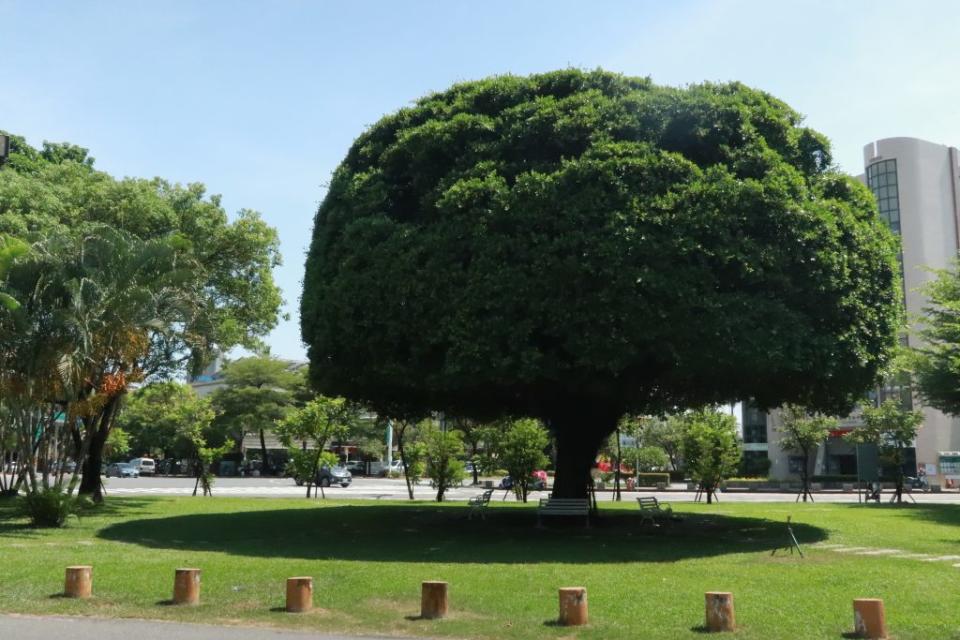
<point>887,553</point>
<point>34,628</point>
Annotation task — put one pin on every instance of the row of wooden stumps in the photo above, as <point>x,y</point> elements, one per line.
<point>868,615</point>
<point>186,584</point>
<point>869,620</point>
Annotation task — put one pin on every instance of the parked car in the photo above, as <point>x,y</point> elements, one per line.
<point>145,466</point>
<point>356,467</point>
<point>538,481</point>
<point>396,469</point>
<point>171,467</point>
<point>122,470</point>
<point>327,476</point>
<point>251,468</point>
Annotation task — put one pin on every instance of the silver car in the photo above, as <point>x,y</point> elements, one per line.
<point>122,470</point>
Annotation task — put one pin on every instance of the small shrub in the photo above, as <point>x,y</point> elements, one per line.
<point>51,507</point>
<point>651,479</point>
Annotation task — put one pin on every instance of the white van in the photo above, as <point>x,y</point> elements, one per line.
<point>146,466</point>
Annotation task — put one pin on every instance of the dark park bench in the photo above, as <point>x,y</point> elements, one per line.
<point>563,507</point>
<point>652,510</point>
<point>479,504</point>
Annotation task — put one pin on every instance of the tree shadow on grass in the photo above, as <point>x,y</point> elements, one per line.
<point>14,523</point>
<point>420,533</point>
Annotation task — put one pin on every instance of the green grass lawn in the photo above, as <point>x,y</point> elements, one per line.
<point>368,559</point>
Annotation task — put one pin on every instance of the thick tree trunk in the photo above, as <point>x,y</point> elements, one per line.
<point>91,485</point>
<point>267,468</point>
<point>580,434</point>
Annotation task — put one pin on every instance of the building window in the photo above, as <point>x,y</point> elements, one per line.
<point>882,180</point>
<point>754,464</point>
<point>754,424</point>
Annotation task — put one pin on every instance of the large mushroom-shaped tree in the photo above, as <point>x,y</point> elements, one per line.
<point>577,245</point>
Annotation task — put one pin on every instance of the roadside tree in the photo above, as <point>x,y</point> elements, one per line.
<point>521,450</point>
<point>893,429</point>
<point>442,453</point>
<point>158,419</point>
<point>711,451</point>
<point>803,434</point>
<point>646,459</point>
<point>936,362</point>
<point>259,391</point>
<point>308,431</point>
<point>667,434</point>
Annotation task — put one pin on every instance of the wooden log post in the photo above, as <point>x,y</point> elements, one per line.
<point>78,582</point>
<point>573,606</point>
<point>433,600</point>
<point>869,620</point>
<point>186,586</point>
<point>720,614</point>
<point>299,594</point>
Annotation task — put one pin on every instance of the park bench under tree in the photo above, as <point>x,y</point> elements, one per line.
<point>479,504</point>
<point>652,510</point>
<point>563,507</point>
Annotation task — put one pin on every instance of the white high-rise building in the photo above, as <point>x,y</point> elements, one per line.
<point>917,186</point>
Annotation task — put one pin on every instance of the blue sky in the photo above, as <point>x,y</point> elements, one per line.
<point>260,100</point>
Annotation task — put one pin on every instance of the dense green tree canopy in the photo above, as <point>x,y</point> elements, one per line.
<point>155,280</point>
<point>163,419</point>
<point>58,188</point>
<point>576,245</point>
<point>937,360</point>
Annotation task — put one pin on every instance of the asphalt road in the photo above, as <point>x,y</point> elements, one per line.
<point>388,489</point>
<point>34,628</point>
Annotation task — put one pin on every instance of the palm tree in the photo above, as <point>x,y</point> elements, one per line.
<point>93,302</point>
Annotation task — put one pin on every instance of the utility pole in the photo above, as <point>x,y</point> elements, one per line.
<point>4,148</point>
<point>389,446</point>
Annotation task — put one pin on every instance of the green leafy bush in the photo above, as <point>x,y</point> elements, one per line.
<point>651,479</point>
<point>300,466</point>
<point>51,507</point>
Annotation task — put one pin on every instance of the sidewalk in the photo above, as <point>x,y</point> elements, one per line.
<point>34,628</point>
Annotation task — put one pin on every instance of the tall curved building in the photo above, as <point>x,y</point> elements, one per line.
<point>917,186</point>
